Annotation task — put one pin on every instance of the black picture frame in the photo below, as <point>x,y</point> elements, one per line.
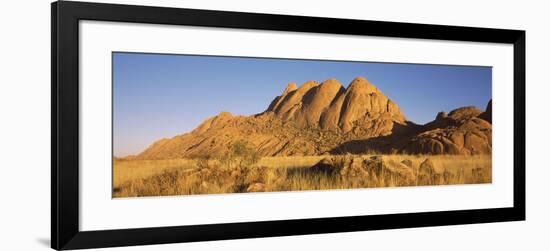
<point>65,233</point>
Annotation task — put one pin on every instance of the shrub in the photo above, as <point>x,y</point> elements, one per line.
<point>240,154</point>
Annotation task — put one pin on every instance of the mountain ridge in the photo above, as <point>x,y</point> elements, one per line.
<point>326,118</point>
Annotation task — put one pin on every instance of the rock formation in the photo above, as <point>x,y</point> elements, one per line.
<point>330,106</point>
<point>362,167</point>
<point>488,114</point>
<point>320,118</point>
<point>461,132</point>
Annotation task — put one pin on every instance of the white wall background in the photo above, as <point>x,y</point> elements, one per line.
<point>25,124</point>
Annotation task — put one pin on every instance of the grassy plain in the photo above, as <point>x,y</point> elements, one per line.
<point>134,178</point>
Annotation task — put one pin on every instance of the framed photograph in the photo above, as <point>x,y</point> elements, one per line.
<point>177,125</point>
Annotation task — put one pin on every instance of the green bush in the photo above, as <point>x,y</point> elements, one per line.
<point>240,154</point>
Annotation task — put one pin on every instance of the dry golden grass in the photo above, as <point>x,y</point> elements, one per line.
<point>134,178</point>
<point>289,161</point>
<point>131,170</point>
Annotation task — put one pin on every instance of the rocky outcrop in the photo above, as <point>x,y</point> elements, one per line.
<point>488,114</point>
<point>461,132</point>
<point>316,102</point>
<point>363,167</point>
<point>329,106</point>
<point>363,102</point>
<point>320,118</point>
<point>292,101</point>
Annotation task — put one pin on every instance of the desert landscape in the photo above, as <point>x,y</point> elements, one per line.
<point>316,136</point>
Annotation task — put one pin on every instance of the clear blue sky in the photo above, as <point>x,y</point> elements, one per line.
<point>160,96</point>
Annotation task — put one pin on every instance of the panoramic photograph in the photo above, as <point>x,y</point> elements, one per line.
<point>194,124</point>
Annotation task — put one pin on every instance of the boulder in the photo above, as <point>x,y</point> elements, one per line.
<point>441,115</point>
<point>427,174</point>
<point>256,187</point>
<point>461,132</point>
<point>352,167</point>
<point>464,113</point>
